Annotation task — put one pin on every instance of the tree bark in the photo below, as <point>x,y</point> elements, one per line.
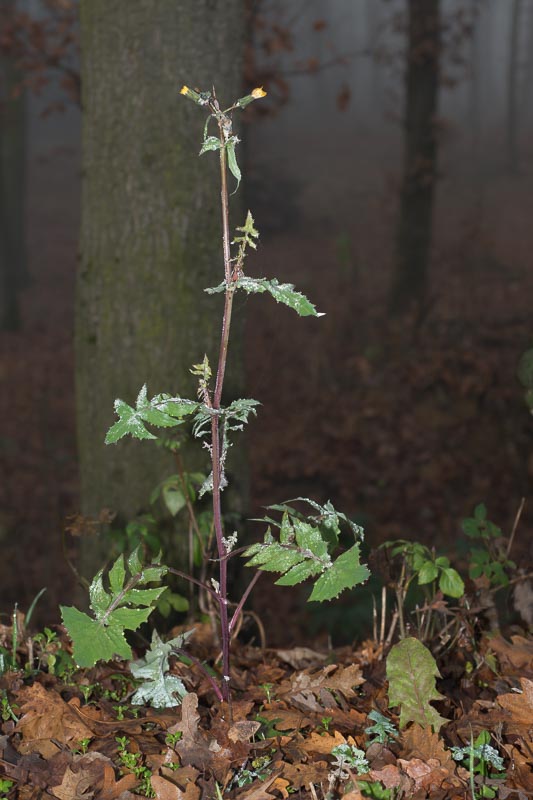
<point>420,157</point>
<point>151,231</point>
<point>512,87</point>
<point>12,187</point>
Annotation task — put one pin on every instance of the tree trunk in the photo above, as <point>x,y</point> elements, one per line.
<point>512,87</point>
<point>12,187</point>
<point>151,231</point>
<point>420,157</point>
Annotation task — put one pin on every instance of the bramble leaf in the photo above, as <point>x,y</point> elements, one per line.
<point>411,672</point>
<point>101,637</point>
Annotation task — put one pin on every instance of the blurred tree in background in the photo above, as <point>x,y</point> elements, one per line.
<point>150,235</point>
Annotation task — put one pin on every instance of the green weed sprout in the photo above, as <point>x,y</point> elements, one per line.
<point>480,758</point>
<point>305,544</point>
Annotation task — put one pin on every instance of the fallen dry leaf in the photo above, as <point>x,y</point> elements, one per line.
<point>302,774</point>
<point>425,744</point>
<point>517,654</point>
<point>166,790</point>
<point>519,704</point>
<point>46,716</point>
<point>112,789</point>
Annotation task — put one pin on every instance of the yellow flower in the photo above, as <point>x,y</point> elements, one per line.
<point>258,93</point>
<point>184,90</point>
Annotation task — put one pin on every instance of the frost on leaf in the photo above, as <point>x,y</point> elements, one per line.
<point>120,608</point>
<point>158,688</point>
<point>163,411</point>
<point>304,550</point>
<point>281,292</point>
<point>411,672</point>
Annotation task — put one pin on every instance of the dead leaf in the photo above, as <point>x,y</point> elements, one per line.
<point>324,744</point>
<point>302,774</point>
<point>301,657</point>
<point>112,789</point>
<point>519,704</point>
<point>166,790</point>
<point>391,778</point>
<point>518,655</point>
<point>305,685</point>
<point>427,775</point>
<point>46,716</point>
<point>243,730</point>
<point>425,744</point>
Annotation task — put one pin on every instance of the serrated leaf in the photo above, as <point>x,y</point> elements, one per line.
<point>134,562</point>
<point>451,583</point>
<point>117,575</point>
<point>210,143</point>
<point>122,608</point>
<point>299,573</point>
<point>129,423</point>
<point>275,558</point>
<point>281,292</point>
<point>98,597</point>
<point>345,573</point>
<point>92,641</point>
<point>232,160</point>
<point>411,672</point>
<point>158,688</point>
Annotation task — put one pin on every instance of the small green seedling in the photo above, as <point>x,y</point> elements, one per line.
<point>307,546</point>
<point>491,559</point>
<point>267,689</point>
<point>382,731</point>
<point>349,756</point>
<point>480,758</point>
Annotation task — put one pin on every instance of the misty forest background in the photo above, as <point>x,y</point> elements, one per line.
<point>391,181</point>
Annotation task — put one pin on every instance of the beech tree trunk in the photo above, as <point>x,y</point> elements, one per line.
<point>12,187</point>
<point>420,157</point>
<point>512,86</point>
<point>151,231</point>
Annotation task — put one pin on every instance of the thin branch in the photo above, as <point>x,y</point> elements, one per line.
<point>243,600</point>
<point>515,526</point>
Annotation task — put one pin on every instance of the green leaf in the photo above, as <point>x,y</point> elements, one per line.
<point>451,583</point>
<point>123,607</point>
<point>281,292</point>
<point>158,688</point>
<point>210,143</point>
<point>232,160</point>
<point>163,411</point>
<point>130,422</point>
<point>411,672</point>
<point>92,641</point>
<point>345,573</point>
<point>173,496</point>
<point>525,369</point>
<point>427,573</point>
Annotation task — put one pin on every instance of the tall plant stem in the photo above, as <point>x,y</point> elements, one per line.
<point>216,448</point>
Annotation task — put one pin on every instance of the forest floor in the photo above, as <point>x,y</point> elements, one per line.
<point>406,430</point>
